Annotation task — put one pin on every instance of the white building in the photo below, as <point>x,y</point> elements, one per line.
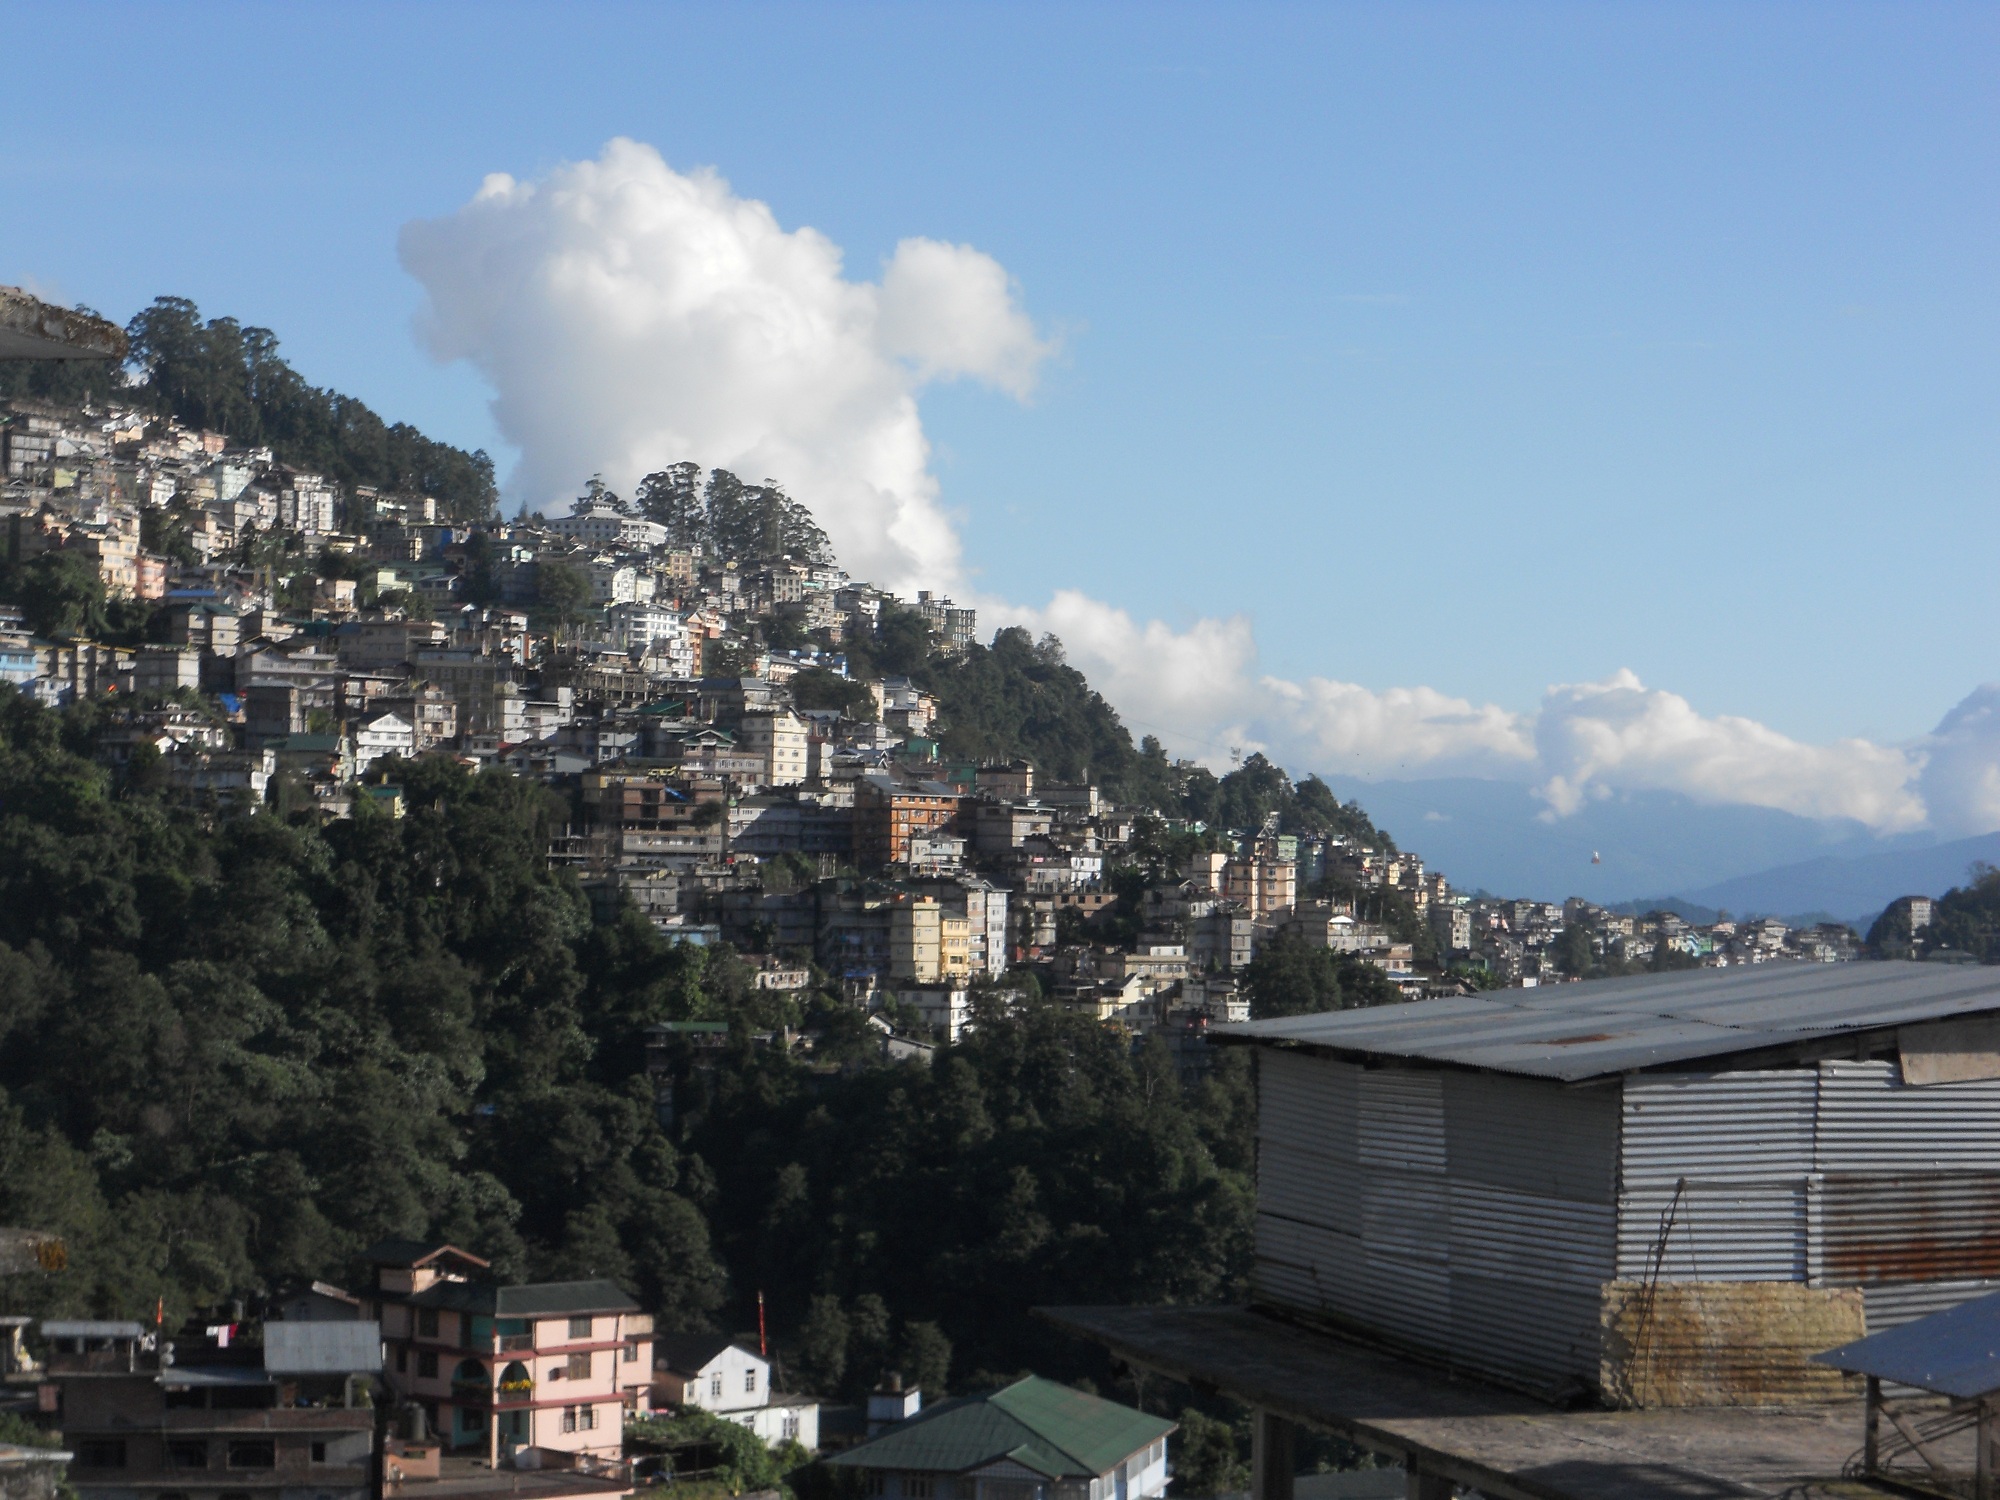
<point>604,526</point>
<point>710,1373</point>
<point>385,734</point>
<point>637,624</point>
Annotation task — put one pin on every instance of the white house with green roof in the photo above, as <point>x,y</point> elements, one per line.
<point>1032,1440</point>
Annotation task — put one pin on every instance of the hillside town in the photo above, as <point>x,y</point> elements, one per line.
<point>301,642</point>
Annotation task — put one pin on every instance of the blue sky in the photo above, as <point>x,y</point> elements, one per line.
<point>1478,347</point>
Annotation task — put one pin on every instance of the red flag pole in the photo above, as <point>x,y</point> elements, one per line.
<point>763,1346</point>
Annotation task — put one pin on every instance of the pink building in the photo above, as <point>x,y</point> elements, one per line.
<point>554,1366</point>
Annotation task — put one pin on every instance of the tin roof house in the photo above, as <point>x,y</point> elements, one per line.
<point>1031,1440</point>
<point>1662,1192</point>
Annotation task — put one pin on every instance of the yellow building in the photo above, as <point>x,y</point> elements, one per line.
<point>916,940</point>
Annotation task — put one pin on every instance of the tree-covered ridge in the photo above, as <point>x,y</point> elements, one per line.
<point>1965,919</point>
<point>1021,698</point>
<point>223,377</point>
<point>727,518</point>
<point>235,1049</point>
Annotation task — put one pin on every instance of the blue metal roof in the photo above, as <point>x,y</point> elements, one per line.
<point>1954,1353</point>
<point>1604,1027</point>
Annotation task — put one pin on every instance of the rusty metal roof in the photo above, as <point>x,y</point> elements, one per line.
<point>1954,1353</point>
<point>1604,1027</point>
<point>33,329</point>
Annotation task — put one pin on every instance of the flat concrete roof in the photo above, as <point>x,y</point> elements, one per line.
<point>1507,1445</point>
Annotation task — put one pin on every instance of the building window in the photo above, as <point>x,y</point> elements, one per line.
<point>319,1453</point>
<point>402,1360</point>
<point>427,1366</point>
<point>569,1419</point>
<point>101,1453</point>
<point>586,1417</point>
<point>578,1367</point>
<point>427,1322</point>
<point>791,1425</point>
<point>187,1453</point>
<point>579,1328</point>
<point>715,1384</point>
<point>631,1351</point>
<point>750,1379</point>
<point>253,1453</point>
<point>918,1487</point>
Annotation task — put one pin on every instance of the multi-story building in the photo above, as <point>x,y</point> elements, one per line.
<point>607,526</point>
<point>553,1365</point>
<point>275,1411</point>
<point>983,905</point>
<point>779,737</point>
<point>888,813</point>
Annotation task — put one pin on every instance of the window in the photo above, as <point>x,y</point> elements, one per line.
<point>427,1366</point>
<point>579,1328</point>
<point>918,1487</point>
<point>791,1425</point>
<point>319,1453</point>
<point>631,1351</point>
<point>427,1322</point>
<point>402,1360</point>
<point>715,1384</point>
<point>578,1367</point>
<point>569,1419</point>
<point>101,1453</point>
<point>187,1453</point>
<point>253,1453</point>
<point>586,1417</point>
<point>750,1379</point>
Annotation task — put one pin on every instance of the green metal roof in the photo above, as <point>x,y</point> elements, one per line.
<point>1043,1426</point>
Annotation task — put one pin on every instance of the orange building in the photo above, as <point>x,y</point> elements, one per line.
<point>888,814</point>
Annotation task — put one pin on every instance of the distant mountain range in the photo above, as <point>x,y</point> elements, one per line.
<point>1659,845</point>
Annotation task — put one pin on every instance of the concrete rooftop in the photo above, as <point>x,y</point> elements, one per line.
<point>1507,1445</point>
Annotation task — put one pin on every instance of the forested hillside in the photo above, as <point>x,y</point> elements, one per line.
<point>234,1050</point>
<point>224,377</point>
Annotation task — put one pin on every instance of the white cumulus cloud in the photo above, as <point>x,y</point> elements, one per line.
<point>1620,734</point>
<point>628,316</point>
<point>1961,775</point>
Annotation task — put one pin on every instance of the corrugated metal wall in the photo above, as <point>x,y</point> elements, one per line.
<point>1469,1215</point>
<point>1840,1175</point>
<point>1478,1216</point>
<point>1718,1163</point>
<point>1909,1193</point>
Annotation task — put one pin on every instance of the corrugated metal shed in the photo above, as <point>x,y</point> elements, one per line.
<point>322,1347</point>
<point>1575,1032</point>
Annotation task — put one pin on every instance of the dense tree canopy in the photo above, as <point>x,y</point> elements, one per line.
<point>236,1049</point>
<point>729,519</point>
<point>1965,919</point>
